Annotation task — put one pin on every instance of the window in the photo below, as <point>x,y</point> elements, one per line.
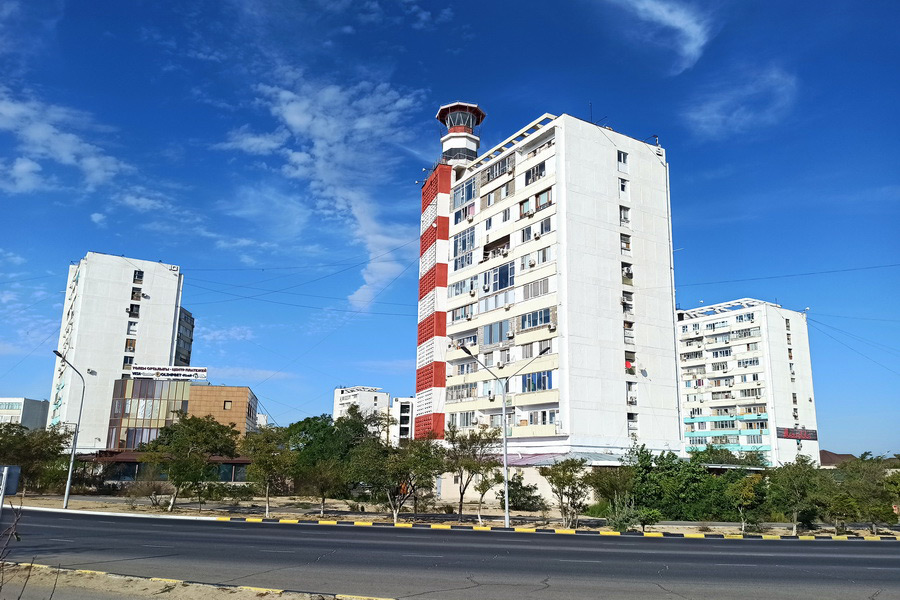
<point>622,159</point>
<point>535,382</point>
<point>720,366</point>
<point>462,313</point>
<point>790,354</point>
<point>627,273</point>
<point>751,393</point>
<point>499,278</point>
<point>463,244</point>
<point>136,294</point>
<point>752,346</point>
<point>691,355</point>
<point>127,362</point>
<point>495,332</point>
<point>536,172</point>
<point>463,419</point>
<point>462,287</point>
<point>488,223</point>
<point>723,353</point>
<point>457,393</point>
<point>787,324</point>
<point>789,339</point>
<point>746,318</point>
<point>544,345</point>
<point>542,200</point>
<point>794,398</point>
<point>129,345</point>
<point>226,405</point>
<point>533,231</point>
<point>535,319</point>
<point>464,193</point>
<point>624,216</point>
<point>132,328</point>
<point>466,367</point>
<point>526,207</point>
<point>496,301</point>
<point>536,288</point>
<point>466,212</point>
<point>745,333</point>
<point>505,190</point>
<point>490,198</point>
<point>748,362</point>
<point>134,310</point>
<point>625,243</point>
<point>467,339</point>
<point>527,350</point>
<point>542,417</point>
<point>623,188</point>
<point>138,277</point>
<point>488,359</point>
<point>535,258</point>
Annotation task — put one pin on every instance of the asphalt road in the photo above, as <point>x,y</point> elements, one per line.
<point>414,563</point>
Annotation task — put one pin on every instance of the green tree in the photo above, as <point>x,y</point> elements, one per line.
<point>470,453</point>
<point>864,482</point>
<point>35,451</point>
<point>271,458</point>
<point>183,450</point>
<point>608,483</point>
<point>747,496</point>
<point>522,496</point>
<point>395,474</point>
<point>717,455</point>
<point>667,483</point>
<point>622,513</point>
<point>568,482</point>
<point>793,488</point>
<point>486,483</point>
<point>324,477</point>
<point>648,516</point>
<point>892,485</point>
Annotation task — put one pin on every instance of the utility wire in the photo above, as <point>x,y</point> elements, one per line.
<point>33,350</point>
<point>858,318</point>
<point>788,275</point>
<point>856,337</point>
<point>250,287</point>
<point>869,358</point>
<point>25,279</point>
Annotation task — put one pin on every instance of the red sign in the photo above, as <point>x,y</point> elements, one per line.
<point>797,434</point>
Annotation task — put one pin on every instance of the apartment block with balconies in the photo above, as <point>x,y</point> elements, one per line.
<point>558,277</point>
<point>746,380</point>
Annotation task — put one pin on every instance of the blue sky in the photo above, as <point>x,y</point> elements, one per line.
<point>274,145</point>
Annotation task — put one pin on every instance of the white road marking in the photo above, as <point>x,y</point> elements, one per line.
<point>424,555</point>
<point>734,565</point>
<point>155,546</point>
<point>61,540</point>
<point>579,561</point>
<point>278,551</point>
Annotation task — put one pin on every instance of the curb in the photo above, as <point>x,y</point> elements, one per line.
<point>649,534</point>
<point>260,591</point>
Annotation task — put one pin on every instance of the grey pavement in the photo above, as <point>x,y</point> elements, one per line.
<point>424,563</point>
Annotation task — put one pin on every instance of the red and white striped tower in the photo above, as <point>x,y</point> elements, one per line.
<point>460,146</point>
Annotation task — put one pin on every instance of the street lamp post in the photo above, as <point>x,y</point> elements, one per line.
<point>503,383</point>
<point>74,435</point>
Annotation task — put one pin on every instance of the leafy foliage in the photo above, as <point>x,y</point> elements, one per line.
<point>568,481</point>
<point>272,460</point>
<point>522,496</point>
<point>38,452</point>
<point>470,453</point>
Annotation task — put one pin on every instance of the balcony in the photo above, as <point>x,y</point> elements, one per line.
<point>523,431</point>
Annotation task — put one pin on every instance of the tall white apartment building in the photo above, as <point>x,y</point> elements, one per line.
<point>369,400</point>
<point>559,237</point>
<point>117,312</point>
<point>746,380</point>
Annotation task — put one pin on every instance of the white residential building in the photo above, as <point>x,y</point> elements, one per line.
<point>117,312</point>
<point>746,380</point>
<point>26,411</point>
<point>369,400</point>
<point>401,412</point>
<point>559,237</point>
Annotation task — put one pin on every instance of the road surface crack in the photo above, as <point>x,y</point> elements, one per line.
<point>668,591</point>
<point>875,595</point>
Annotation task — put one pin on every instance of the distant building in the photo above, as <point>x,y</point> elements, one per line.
<point>117,312</point>
<point>30,413</point>
<point>368,399</point>
<point>141,407</point>
<point>746,380</point>
<point>401,427</point>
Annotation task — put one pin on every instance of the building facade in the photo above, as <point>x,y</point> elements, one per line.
<point>25,411</point>
<point>117,312</point>
<point>746,380</point>
<point>369,400</point>
<point>549,258</point>
<point>401,424</point>
<point>143,406</point>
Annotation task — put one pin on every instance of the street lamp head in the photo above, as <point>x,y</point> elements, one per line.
<point>544,351</point>
<point>466,350</point>
<point>56,352</point>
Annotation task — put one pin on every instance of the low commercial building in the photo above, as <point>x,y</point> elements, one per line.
<point>30,413</point>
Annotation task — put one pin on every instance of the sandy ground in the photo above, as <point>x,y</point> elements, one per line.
<point>294,507</point>
<point>45,583</point>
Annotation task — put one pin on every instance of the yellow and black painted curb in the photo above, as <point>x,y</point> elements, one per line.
<point>260,591</point>
<point>649,534</point>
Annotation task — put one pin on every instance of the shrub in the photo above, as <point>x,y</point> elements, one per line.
<point>622,514</point>
<point>522,496</point>
<point>598,510</point>
<point>448,509</point>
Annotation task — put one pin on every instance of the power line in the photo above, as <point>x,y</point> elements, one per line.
<point>788,275</point>
<point>25,279</point>
<point>33,350</point>
<point>869,358</point>
<point>858,318</point>
<point>250,287</point>
<point>856,337</point>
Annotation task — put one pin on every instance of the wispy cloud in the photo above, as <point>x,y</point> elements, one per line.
<point>46,132</point>
<point>675,24</point>
<point>757,98</point>
<point>223,334</point>
<point>253,143</point>
<point>98,219</point>
<point>247,374</point>
<point>10,258</point>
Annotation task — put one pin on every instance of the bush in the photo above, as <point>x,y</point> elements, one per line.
<point>622,514</point>
<point>648,516</point>
<point>448,509</point>
<point>598,510</point>
<point>522,496</point>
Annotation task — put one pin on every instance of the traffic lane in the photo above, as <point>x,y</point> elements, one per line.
<point>421,560</point>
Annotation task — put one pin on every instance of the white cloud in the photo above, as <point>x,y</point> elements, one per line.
<point>7,296</point>
<point>10,258</point>
<point>223,334</point>
<point>688,30</point>
<point>758,98</point>
<point>280,214</point>
<point>98,219</point>
<point>21,177</point>
<point>246,374</point>
<point>43,132</point>
<point>253,143</point>
<point>142,203</point>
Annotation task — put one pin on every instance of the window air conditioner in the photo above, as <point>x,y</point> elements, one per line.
<point>472,292</point>
<point>508,306</point>
<point>486,288</point>
<point>500,365</point>
<point>510,335</point>
<point>537,235</point>
<point>504,252</point>
<point>531,263</point>
<point>470,218</point>
<point>529,213</point>
<point>552,326</point>
<point>468,317</point>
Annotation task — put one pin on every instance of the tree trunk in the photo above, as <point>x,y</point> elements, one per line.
<point>267,499</point>
<point>396,513</point>
<point>415,505</point>
<point>462,490</point>
<point>794,523</point>
<point>743,521</point>
<point>172,500</point>
<point>874,528</point>
<point>480,501</point>
<point>322,507</point>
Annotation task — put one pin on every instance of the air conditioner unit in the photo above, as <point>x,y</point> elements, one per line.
<point>537,235</point>
<point>508,307</point>
<point>500,365</point>
<point>468,317</point>
<point>486,288</point>
<point>472,292</point>
<point>470,218</point>
<point>552,326</point>
<point>530,213</point>
<point>531,263</point>
<point>145,295</point>
<point>510,335</point>
<point>504,252</point>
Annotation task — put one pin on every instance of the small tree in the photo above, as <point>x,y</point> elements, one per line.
<point>486,483</point>
<point>182,451</point>
<point>648,516</point>
<point>324,477</point>
<point>271,458</point>
<point>522,496</point>
<point>793,488</point>
<point>469,454</point>
<point>567,480</point>
<point>746,495</point>
<point>35,451</point>
<point>607,483</point>
<point>622,514</point>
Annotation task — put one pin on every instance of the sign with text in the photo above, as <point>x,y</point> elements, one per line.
<point>786,433</point>
<point>186,373</point>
